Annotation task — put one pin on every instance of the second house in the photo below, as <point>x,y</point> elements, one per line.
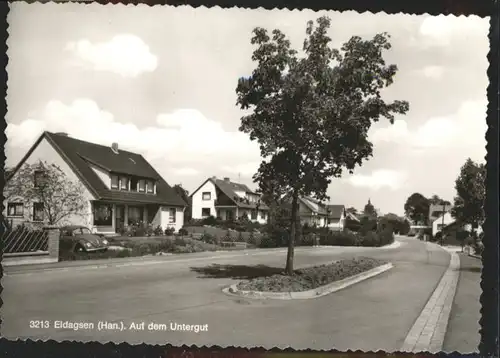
<point>227,200</point>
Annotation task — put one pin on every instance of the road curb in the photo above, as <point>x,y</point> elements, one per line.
<point>314,293</point>
<point>428,332</point>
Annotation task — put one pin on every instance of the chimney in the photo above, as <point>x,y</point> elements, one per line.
<point>227,180</point>
<point>214,177</point>
<point>114,147</point>
<point>64,134</point>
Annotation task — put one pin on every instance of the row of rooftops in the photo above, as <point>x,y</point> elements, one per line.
<point>81,156</point>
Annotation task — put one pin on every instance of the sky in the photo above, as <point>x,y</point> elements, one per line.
<point>161,81</point>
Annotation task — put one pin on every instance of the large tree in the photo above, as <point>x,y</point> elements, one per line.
<point>184,194</point>
<point>310,113</point>
<point>471,193</point>
<point>417,208</point>
<point>436,200</point>
<point>46,183</point>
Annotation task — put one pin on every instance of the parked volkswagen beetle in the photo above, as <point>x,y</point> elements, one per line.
<point>76,238</point>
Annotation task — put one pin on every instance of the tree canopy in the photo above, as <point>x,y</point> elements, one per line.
<point>471,193</point>
<point>46,183</point>
<point>310,113</point>
<point>436,200</point>
<point>417,208</point>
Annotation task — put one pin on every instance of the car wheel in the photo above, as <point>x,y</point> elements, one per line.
<point>79,248</point>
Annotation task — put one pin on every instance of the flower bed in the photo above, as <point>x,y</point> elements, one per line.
<point>311,277</point>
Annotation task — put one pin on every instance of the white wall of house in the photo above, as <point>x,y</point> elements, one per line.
<point>46,152</point>
<point>166,214</point>
<point>198,203</point>
<point>102,174</point>
<point>438,223</point>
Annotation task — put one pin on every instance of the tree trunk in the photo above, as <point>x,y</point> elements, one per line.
<point>293,234</point>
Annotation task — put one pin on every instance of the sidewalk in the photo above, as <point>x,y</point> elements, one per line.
<point>463,327</point>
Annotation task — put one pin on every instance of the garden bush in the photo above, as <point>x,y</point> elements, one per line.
<point>158,231</point>
<point>183,232</point>
<point>169,231</point>
<point>210,239</point>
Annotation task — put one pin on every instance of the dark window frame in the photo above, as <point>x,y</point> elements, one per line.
<point>40,209</point>
<point>108,222</point>
<point>209,212</point>
<point>172,218</point>
<point>203,196</point>
<point>148,189</point>
<point>143,181</point>
<point>117,186</point>
<point>38,177</point>
<point>15,205</point>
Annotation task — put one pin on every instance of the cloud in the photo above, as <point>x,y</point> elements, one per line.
<point>464,129</point>
<point>378,179</point>
<point>186,171</point>
<point>180,137</point>
<point>126,55</point>
<point>244,169</point>
<point>441,30</point>
<point>432,72</point>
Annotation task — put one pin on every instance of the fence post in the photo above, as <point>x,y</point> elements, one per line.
<point>53,241</point>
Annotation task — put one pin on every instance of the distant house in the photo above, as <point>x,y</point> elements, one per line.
<point>440,222</point>
<point>121,187</point>
<point>315,213</point>
<point>437,211</point>
<point>227,200</point>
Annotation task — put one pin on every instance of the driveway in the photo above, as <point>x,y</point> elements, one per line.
<point>371,315</point>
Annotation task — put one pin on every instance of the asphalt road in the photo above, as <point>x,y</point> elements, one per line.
<point>371,315</point>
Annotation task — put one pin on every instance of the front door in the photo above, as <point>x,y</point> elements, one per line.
<point>119,218</point>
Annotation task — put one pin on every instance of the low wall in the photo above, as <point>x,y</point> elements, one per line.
<point>39,257</point>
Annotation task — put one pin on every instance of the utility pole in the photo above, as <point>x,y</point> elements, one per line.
<point>442,223</point>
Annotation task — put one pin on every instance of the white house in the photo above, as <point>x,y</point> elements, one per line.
<point>227,200</point>
<point>120,188</point>
<point>315,213</point>
<point>440,222</point>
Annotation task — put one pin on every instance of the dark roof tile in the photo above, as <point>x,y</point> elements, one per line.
<point>79,154</point>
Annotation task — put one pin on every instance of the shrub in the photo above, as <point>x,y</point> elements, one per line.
<point>228,236</point>
<point>254,239</point>
<point>169,231</point>
<point>339,238</point>
<point>158,231</point>
<point>183,232</point>
<point>308,239</point>
<point>179,241</point>
<point>240,237</point>
<point>166,246</point>
<point>211,221</point>
<point>210,239</point>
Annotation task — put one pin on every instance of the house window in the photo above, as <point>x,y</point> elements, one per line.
<point>142,185</point>
<point>150,187</point>
<point>206,195</point>
<point>205,212</point>
<point>38,178</point>
<point>102,215</point>
<point>38,212</point>
<point>253,214</point>
<point>133,184</point>
<point>229,215</point>
<point>263,215</point>
<point>124,183</point>
<point>135,215</point>
<point>15,209</point>
<point>171,215</point>
<point>114,182</point>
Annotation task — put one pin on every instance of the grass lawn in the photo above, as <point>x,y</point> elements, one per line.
<point>311,277</point>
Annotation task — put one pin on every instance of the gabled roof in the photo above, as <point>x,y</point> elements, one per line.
<point>229,189</point>
<point>80,155</point>
<point>335,211</point>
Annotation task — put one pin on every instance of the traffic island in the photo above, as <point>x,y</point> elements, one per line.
<point>310,282</point>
